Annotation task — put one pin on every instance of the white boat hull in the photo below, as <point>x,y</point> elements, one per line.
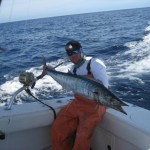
<point>27,127</point>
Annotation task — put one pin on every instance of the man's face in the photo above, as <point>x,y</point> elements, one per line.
<point>74,58</point>
<point>74,55</point>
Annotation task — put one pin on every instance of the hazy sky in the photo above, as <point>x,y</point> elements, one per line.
<point>12,10</point>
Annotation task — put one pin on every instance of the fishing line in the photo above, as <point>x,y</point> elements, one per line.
<point>11,10</point>
<point>26,21</point>
<point>29,92</point>
<point>9,20</point>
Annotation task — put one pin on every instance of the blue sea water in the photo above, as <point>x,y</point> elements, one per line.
<point>120,38</point>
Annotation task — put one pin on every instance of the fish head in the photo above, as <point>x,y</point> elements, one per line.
<point>103,98</point>
<point>107,98</point>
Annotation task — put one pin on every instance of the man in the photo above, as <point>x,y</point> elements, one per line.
<point>81,115</point>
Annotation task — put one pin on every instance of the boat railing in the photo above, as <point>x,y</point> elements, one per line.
<point>8,105</point>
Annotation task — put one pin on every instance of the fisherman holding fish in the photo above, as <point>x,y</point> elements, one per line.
<point>81,115</point>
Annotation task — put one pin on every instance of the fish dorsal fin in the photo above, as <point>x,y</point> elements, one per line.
<point>96,93</point>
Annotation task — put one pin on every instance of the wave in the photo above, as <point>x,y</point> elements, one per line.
<point>45,88</point>
<point>135,60</point>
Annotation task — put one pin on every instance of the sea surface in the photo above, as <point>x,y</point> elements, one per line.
<point>120,38</point>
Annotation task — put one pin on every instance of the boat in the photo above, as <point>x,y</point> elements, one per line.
<point>28,127</point>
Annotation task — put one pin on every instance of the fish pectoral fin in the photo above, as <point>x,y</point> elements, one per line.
<point>95,94</point>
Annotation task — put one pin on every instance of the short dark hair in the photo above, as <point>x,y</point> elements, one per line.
<point>73,45</point>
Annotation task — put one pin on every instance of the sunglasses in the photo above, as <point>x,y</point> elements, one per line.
<point>71,52</point>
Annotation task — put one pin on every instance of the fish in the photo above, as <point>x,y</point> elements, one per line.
<point>87,87</point>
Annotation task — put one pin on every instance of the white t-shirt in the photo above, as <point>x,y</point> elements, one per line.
<point>98,70</point>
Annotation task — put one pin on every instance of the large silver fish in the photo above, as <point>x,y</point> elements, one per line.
<point>89,88</point>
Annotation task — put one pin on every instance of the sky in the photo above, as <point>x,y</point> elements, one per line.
<point>15,10</point>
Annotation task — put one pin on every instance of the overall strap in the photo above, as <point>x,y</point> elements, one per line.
<point>88,68</point>
<point>75,71</point>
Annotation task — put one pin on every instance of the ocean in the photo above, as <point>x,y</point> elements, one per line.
<point>120,38</point>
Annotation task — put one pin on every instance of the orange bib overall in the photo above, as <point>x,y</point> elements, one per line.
<point>81,115</point>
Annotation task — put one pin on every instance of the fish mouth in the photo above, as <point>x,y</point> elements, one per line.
<point>122,110</point>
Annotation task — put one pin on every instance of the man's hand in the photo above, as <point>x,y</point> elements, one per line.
<point>46,69</point>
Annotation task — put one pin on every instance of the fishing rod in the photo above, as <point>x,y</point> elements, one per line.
<point>43,74</point>
<point>28,80</point>
<point>39,77</point>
